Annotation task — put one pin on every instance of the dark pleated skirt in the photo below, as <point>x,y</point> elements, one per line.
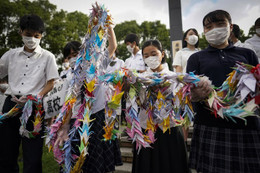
<point>215,150</point>
<point>102,156</point>
<point>167,155</point>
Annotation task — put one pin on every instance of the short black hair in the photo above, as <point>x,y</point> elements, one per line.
<point>184,42</point>
<point>216,16</point>
<point>131,38</point>
<point>257,22</point>
<point>157,44</point>
<point>32,22</point>
<point>236,30</point>
<point>74,45</point>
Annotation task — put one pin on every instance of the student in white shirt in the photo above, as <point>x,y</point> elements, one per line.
<point>190,43</point>
<point>255,40</point>
<point>115,64</point>
<point>234,38</point>
<point>3,88</point>
<point>31,70</point>
<point>135,61</point>
<point>168,153</point>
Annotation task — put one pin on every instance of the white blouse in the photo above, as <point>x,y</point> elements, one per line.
<point>182,57</point>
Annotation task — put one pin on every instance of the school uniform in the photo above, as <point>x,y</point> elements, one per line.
<point>255,43</point>
<point>182,57</point>
<point>114,65</point>
<point>135,62</point>
<point>220,145</point>
<point>27,73</point>
<point>168,153</point>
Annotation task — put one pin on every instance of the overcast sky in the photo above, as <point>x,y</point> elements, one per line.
<point>243,12</point>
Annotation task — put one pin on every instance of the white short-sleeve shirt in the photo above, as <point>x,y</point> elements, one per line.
<point>244,45</point>
<point>182,57</point>
<point>255,43</point>
<point>27,72</point>
<point>135,62</point>
<point>115,64</point>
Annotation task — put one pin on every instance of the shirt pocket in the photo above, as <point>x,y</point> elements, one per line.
<point>38,70</point>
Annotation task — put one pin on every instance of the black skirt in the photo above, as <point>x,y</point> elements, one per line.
<point>167,155</point>
<point>102,156</point>
<point>215,150</point>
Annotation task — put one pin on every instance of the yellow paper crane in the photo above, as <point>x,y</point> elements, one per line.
<point>91,85</point>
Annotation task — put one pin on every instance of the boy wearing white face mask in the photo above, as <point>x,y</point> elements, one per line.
<point>135,61</point>
<point>255,40</point>
<point>190,44</point>
<point>31,70</point>
<point>221,145</point>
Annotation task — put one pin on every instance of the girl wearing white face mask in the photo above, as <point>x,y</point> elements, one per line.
<point>222,145</point>
<point>190,45</point>
<point>168,153</point>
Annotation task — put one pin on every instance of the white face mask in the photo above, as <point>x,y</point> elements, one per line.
<point>130,49</point>
<point>66,65</point>
<point>257,31</point>
<point>152,61</point>
<point>31,42</point>
<point>193,39</point>
<point>72,61</point>
<point>218,36</point>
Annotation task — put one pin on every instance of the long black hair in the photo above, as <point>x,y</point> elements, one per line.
<point>157,44</point>
<point>184,42</point>
<point>74,45</point>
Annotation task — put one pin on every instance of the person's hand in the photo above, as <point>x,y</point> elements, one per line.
<point>202,90</point>
<point>63,135</point>
<point>21,101</point>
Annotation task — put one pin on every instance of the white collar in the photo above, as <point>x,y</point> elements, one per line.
<point>37,50</point>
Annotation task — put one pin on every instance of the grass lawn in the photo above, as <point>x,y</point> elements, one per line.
<point>49,165</point>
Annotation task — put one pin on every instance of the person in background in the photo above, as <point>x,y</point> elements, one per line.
<point>115,64</point>
<point>234,38</point>
<point>65,68</point>
<point>3,88</point>
<point>70,52</point>
<point>135,61</point>
<point>31,70</point>
<point>255,40</point>
<point>190,44</point>
<point>221,145</point>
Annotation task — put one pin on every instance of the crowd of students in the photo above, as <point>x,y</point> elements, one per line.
<point>217,145</point>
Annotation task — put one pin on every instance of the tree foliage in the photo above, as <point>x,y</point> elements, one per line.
<point>61,26</point>
<point>145,31</point>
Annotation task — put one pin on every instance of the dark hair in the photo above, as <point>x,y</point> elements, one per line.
<point>32,22</point>
<point>74,45</point>
<point>257,22</point>
<point>236,30</point>
<point>216,16</point>
<point>184,42</point>
<point>157,44</point>
<point>131,38</point>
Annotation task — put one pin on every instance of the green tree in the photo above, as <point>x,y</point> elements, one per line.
<point>146,31</point>
<point>61,26</point>
<point>251,32</point>
<point>203,42</point>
